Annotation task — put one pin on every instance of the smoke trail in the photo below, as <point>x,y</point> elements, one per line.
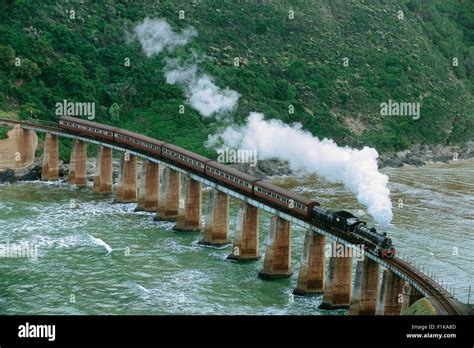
<point>201,92</point>
<point>356,169</point>
<point>156,35</point>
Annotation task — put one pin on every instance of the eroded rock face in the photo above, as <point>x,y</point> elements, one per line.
<point>264,168</point>
<point>419,155</point>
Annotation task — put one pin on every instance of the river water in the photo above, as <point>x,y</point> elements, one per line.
<point>94,257</point>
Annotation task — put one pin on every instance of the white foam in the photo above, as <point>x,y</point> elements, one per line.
<point>100,242</point>
<point>142,288</point>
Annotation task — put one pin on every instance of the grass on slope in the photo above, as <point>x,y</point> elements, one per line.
<point>284,62</point>
<point>421,307</point>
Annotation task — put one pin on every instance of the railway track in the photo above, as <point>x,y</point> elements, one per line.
<point>431,288</point>
<point>32,123</point>
<point>444,299</point>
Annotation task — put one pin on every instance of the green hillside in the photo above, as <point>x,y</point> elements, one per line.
<point>284,61</point>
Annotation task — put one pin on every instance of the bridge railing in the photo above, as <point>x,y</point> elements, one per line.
<point>421,268</point>
<point>449,287</point>
<point>41,122</point>
<point>32,120</point>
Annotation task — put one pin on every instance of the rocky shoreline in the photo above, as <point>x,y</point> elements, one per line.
<point>418,155</point>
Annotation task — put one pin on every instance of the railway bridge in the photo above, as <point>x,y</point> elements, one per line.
<point>380,286</point>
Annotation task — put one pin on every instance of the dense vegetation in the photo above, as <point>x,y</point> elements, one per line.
<point>3,132</point>
<point>420,307</point>
<point>285,61</point>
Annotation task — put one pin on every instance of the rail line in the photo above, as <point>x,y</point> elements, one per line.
<point>429,286</point>
<point>440,295</point>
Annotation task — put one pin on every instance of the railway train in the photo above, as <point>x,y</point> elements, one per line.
<point>342,223</point>
<point>349,227</point>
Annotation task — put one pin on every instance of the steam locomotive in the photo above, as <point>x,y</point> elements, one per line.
<point>349,227</point>
<point>341,223</point>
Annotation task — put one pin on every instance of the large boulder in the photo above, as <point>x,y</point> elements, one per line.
<point>33,175</point>
<point>7,176</point>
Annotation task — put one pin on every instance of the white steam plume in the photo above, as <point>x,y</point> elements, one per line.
<point>356,169</point>
<point>156,35</point>
<point>201,92</point>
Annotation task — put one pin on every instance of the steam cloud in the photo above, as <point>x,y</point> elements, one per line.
<point>156,35</point>
<point>201,92</point>
<point>356,169</point>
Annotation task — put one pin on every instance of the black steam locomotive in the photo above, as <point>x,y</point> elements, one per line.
<point>350,228</point>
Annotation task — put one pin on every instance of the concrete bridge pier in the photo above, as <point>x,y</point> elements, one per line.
<point>78,164</point>
<point>391,294</point>
<point>103,171</point>
<point>50,171</point>
<point>18,149</point>
<point>148,191</point>
<point>141,191</point>
<point>277,261</point>
<point>364,295</point>
<point>169,196</point>
<point>410,296</point>
<point>127,188</point>
<point>216,229</point>
<point>311,272</point>
<point>189,217</point>
<point>338,283</point>
<point>245,246</point>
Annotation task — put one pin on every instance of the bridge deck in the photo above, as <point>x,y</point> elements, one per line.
<point>420,281</point>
